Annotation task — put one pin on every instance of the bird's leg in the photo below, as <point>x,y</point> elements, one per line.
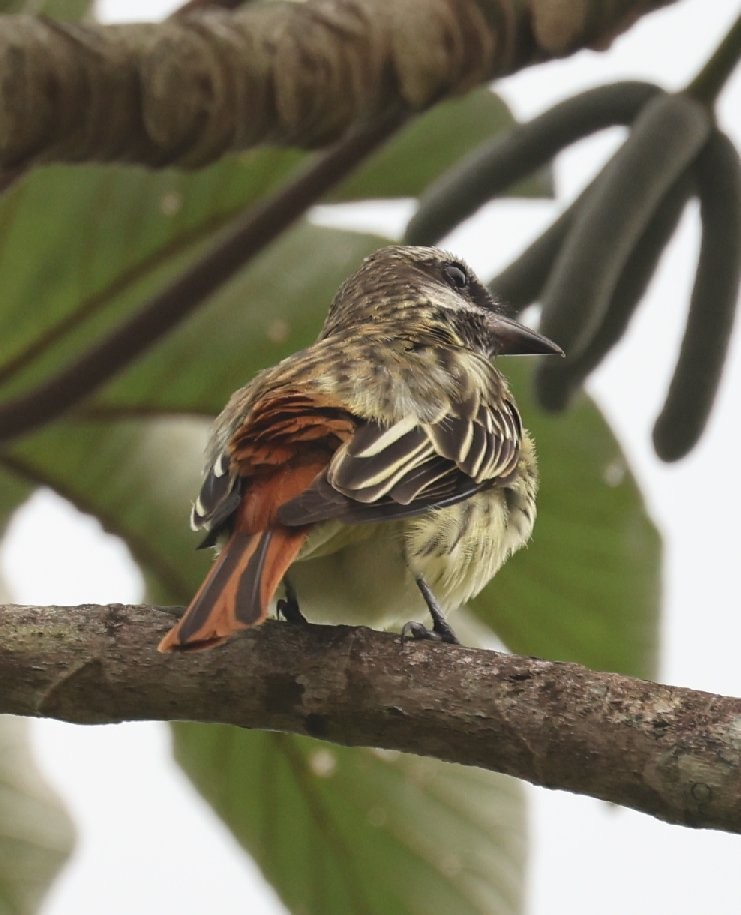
<point>287,606</point>
<point>440,626</point>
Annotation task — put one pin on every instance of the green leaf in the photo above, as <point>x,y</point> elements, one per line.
<point>65,9</point>
<point>138,478</point>
<point>337,830</point>
<point>431,144</point>
<point>36,835</point>
<point>456,835</point>
<point>587,588</point>
<point>82,247</point>
<point>103,239</point>
<point>57,9</point>
<point>271,309</point>
<point>14,490</point>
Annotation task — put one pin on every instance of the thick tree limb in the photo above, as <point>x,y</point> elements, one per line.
<point>671,752</point>
<point>190,89</point>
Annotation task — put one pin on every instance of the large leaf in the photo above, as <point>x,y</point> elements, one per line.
<point>36,835</point>
<point>57,9</point>
<point>449,837</point>
<point>587,589</point>
<point>14,490</point>
<point>80,248</point>
<point>430,145</point>
<point>268,311</point>
<point>339,831</point>
<point>64,9</point>
<point>138,476</point>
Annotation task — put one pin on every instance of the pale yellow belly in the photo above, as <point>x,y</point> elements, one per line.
<point>366,574</point>
<point>364,583</point>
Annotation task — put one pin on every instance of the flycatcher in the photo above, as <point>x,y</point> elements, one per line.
<point>382,472</point>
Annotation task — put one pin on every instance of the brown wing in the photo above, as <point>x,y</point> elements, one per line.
<point>288,430</point>
<point>386,472</point>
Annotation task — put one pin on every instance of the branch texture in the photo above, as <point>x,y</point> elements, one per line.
<point>190,89</point>
<point>671,752</point>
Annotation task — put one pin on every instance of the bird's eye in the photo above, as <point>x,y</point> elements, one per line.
<point>455,275</point>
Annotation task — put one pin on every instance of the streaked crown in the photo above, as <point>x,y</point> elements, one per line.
<point>428,293</point>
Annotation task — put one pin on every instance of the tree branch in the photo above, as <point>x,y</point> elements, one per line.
<point>188,90</point>
<point>671,752</point>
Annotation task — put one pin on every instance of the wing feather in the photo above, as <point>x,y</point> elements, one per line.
<point>368,479</point>
<point>406,468</point>
<point>283,429</point>
<point>372,471</point>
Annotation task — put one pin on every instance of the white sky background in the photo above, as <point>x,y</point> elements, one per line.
<point>141,825</point>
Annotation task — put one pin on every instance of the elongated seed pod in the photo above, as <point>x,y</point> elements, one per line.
<point>520,283</point>
<point>497,164</point>
<point>554,385</point>
<point>712,305</point>
<point>665,139</point>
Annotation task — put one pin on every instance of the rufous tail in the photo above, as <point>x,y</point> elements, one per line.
<point>236,593</point>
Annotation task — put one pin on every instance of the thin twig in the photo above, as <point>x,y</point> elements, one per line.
<point>713,76</point>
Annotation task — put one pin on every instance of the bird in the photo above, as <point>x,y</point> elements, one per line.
<point>378,475</point>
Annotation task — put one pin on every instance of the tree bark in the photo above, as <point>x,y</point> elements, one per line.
<point>670,752</point>
<point>190,89</point>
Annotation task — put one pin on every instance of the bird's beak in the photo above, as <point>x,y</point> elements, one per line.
<point>514,339</point>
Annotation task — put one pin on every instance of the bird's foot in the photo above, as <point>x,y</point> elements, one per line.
<point>441,629</point>
<point>418,631</point>
<point>287,606</point>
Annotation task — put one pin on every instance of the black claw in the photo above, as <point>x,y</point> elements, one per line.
<point>419,632</point>
<point>288,607</point>
<point>416,631</point>
<point>440,627</point>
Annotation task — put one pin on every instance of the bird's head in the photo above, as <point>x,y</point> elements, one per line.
<point>427,293</point>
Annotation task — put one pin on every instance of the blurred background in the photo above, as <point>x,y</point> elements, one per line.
<point>149,843</point>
